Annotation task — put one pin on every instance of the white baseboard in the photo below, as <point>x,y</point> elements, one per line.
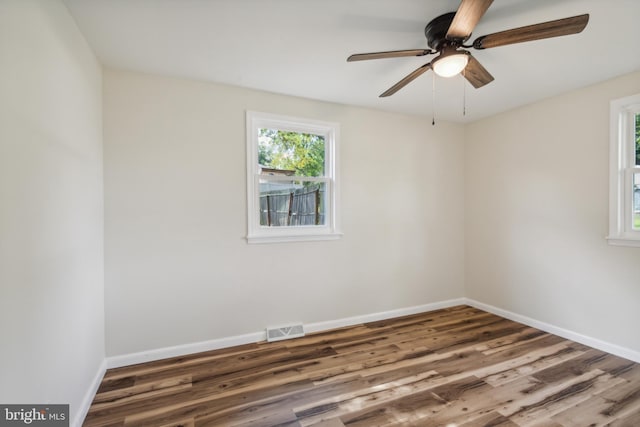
<point>373,317</point>
<point>82,411</point>
<point>561,332</point>
<point>184,349</point>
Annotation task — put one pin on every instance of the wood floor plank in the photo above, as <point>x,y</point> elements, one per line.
<point>491,419</point>
<point>187,422</point>
<point>543,401</point>
<point>455,366</point>
<point>530,367</point>
<point>631,420</point>
<point>333,422</point>
<point>597,407</point>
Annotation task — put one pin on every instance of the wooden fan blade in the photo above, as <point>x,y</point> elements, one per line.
<point>476,74</point>
<point>544,30</point>
<point>408,79</point>
<point>466,18</point>
<point>389,54</point>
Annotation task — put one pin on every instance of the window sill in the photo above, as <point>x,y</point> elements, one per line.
<point>293,238</point>
<point>633,242</point>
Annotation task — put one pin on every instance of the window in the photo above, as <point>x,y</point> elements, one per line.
<point>624,190</point>
<point>292,184</point>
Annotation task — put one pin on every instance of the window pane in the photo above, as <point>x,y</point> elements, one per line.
<point>290,153</point>
<point>636,201</point>
<point>292,203</point>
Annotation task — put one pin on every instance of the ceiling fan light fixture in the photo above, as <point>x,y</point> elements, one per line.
<point>450,64</point>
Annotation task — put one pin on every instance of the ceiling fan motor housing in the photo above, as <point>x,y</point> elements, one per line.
<point>436,31</point>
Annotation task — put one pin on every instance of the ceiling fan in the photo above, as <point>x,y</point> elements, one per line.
<point>446,36</point>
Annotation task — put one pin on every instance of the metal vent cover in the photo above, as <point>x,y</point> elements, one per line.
<point>279,333</point>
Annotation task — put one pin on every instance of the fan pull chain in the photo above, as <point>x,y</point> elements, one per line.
<point>433,99</point>
<point>464,93</point>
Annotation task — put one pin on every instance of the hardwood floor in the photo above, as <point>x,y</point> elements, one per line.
<point>457,367</point>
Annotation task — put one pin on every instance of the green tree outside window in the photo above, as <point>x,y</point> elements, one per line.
<point>300,152</point>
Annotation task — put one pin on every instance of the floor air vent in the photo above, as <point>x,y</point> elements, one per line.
<point>285,332</point>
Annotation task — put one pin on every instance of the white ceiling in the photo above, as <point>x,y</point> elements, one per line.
<point>299,47</point>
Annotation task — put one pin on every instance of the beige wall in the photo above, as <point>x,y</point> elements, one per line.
<point>51,207</point>
<point>537,216</point>
<point>178,269</point>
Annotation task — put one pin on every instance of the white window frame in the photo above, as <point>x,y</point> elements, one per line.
<point>257,233</point>
<point>621,170</point>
